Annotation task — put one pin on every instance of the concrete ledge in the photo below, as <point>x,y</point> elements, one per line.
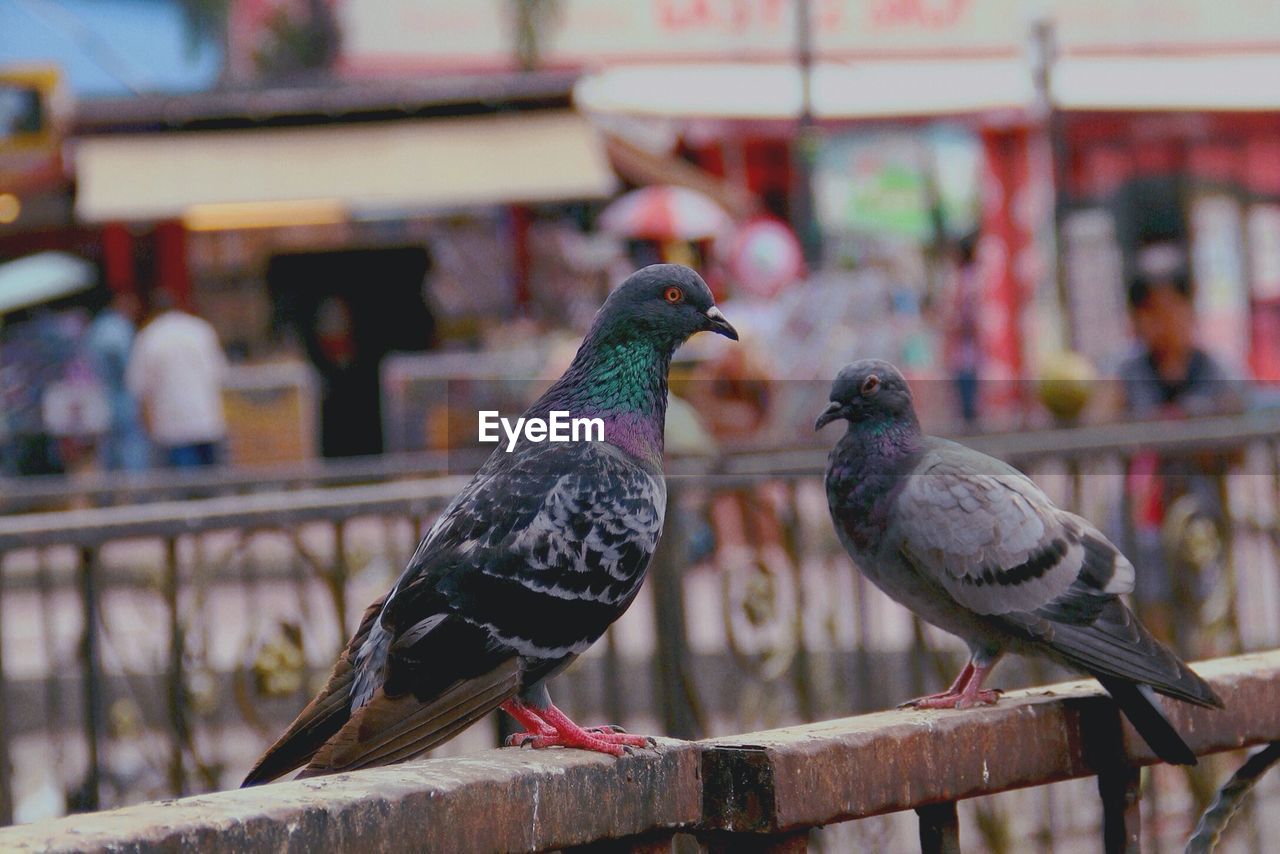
<point>767,782</point>
<point>498,800</point>
<point>771,781</point>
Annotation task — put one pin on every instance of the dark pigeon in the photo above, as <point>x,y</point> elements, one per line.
<point>974,547</point>
<point>526,568</point>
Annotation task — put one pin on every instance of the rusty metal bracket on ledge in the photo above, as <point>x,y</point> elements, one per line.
<point>755,792</point>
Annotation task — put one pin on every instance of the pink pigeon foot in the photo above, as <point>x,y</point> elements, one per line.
<point>964,693</point>
<point>550,727</point>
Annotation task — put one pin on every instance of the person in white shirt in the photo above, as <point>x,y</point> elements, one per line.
<point>176,370</point>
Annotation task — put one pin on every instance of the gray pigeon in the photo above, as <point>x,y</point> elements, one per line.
<point>974,547</point>
<point>526,568</point>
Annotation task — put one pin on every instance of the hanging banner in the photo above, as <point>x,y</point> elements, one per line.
<point>1006,244</point>
<point>397,35</point>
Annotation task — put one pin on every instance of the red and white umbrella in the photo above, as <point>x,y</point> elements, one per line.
<point>665,213</point>
<point>765,257</point>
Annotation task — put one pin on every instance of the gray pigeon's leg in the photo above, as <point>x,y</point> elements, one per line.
<point>954,691</point>
<point>547,726</point>
<point>528,718</point>
<point>967,690</point>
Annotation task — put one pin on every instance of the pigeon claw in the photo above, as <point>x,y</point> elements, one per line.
<point>582,740</point>
<point>955,700</point>
<point>550,727</point>
<point>522,739</point>
<point>607,730</point>
<point>650,743</point>
<point>615,743</point>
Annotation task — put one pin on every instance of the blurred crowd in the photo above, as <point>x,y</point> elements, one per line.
<point>101,385</point>
<point>107,383</point>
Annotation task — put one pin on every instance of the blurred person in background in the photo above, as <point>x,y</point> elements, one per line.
<point>350,382</point>
<point>35,351</point>
<point>176,370</point>
<point>107,346</point>
<point>1168,375</point>
<point>963,342</point>
<point>75,407</point>
<point>732,394</point>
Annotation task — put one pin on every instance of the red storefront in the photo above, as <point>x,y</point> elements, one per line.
<point>1171,96</point>
<point>1207,182</point>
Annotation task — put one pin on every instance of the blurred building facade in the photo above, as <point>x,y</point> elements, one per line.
<point>1094,128</point>
<point>1080,129</point>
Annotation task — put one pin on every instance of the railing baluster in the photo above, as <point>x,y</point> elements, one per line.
<point>338,578</point>
<point>6,783</point>
<point>1121,792</point>
<point>177,682</point>
<point>55,711</point>
<point>867,696</point>
<point>615,706</point>
<point>676,706</point>
<point>939,828</point>
<point>802,672</point>
<point>93,687</point>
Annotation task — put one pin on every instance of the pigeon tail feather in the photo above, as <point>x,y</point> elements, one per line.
<point>322,718</point>
<point>392,729</point>
<point>1119,646</point>
<point>1140,706</point>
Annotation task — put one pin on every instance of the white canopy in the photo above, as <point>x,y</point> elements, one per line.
<point>287,175</point>
<point>41,278</point>
<point>892,88</point>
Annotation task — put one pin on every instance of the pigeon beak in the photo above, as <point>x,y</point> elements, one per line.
<point>717,323</point>
<point>831,413</point>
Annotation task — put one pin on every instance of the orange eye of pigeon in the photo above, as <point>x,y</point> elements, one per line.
<point>673,295</point>
<point>871,384</point>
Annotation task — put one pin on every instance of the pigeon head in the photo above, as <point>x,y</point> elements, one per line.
<point>870,391</point>
<point>620,370</point>
<point>666,303</point>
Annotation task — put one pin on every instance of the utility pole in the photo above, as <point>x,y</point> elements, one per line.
<point>804,215</point>
<point>1042,54</point>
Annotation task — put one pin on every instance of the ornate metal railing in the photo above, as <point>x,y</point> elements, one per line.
<point>106,489</point>
<point>151,649</point>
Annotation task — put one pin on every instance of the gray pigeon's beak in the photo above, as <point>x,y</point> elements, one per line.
<point>831,413</point>
<point>717,323</point>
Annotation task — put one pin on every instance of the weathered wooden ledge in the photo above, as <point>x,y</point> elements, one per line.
<point>495,800</point>
<point>887,761</point>
<point>767,783</point>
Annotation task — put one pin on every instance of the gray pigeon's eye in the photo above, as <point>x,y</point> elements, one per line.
<point>870,385</point>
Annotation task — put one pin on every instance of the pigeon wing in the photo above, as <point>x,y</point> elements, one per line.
<point>995,543</point>
<point>549,559</point>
